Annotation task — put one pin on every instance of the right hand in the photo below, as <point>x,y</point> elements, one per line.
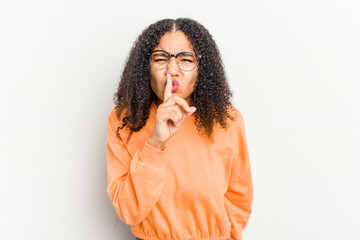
<point>169,116</point>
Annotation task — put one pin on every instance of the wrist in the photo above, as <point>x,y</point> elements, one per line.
<point>156,144</point>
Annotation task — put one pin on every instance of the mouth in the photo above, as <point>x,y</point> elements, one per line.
<point>175,85</point>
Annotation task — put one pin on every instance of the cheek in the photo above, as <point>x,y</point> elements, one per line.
<point>193,80</point>
<point>155,82</point>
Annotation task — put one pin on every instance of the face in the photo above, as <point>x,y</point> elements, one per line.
<point>173,42</point>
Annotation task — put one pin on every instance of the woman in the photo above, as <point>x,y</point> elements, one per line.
<point>178,165</point>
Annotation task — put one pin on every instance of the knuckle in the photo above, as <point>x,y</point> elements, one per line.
<point>180,99</point>
<point>176,114</point>
<point>173,114</point>
<point>179,114</point>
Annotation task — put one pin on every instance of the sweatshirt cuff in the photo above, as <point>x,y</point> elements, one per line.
<point>152,155</point>
<point>163,150</point>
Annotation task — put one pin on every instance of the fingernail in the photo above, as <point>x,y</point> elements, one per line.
<point>188,109</point>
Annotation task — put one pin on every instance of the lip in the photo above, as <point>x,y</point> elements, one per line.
<point>175,85</point>
<point>174,82</point>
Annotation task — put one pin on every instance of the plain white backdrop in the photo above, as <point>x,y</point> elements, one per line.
<point>293,67</point>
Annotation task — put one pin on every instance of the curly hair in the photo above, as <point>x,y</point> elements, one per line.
<point>211,95</point>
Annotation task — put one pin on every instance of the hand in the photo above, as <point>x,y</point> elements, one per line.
<point>169,116</point>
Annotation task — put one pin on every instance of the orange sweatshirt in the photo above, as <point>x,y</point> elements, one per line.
<point>193,189</point>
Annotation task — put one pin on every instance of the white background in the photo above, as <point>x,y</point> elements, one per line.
<point>293,67</point>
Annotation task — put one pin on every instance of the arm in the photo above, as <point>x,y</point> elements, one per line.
<point>134,182</point>
<point>239,195</point>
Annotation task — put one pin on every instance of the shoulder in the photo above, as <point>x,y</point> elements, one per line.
<point>234,125</point>
<point>237,121</point>
<point>115,123</point>
<point>113,115</point>
<point>112,118</point>
<point>233,135</point>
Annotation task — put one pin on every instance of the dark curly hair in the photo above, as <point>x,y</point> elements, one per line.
<point>211,95</point>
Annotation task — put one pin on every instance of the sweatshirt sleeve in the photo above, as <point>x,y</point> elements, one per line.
<point>239,195</point>
<point>134,182</point>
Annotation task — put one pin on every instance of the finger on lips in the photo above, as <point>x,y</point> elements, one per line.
<point>170,99</point>
<point>167,90</point>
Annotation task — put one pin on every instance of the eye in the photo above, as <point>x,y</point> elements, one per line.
<point>159,57</point>
<point>186,57</point>
<point>160,60</point>
<point>186,60</point>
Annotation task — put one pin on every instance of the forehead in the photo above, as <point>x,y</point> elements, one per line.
<point>174,42</point>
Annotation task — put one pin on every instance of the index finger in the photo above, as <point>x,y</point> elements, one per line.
<point>168,87</point>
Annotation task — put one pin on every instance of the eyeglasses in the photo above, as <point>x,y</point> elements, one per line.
<point>186,61</point>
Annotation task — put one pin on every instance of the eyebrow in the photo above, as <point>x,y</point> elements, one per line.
<point>160,54</point>
<point>164,54</point>
<point>181,50</point>
<point>188,54</point>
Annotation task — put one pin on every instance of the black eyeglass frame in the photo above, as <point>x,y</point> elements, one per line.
<point>198,57</point>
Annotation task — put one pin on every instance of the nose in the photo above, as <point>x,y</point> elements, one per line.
<point>173,68</point>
